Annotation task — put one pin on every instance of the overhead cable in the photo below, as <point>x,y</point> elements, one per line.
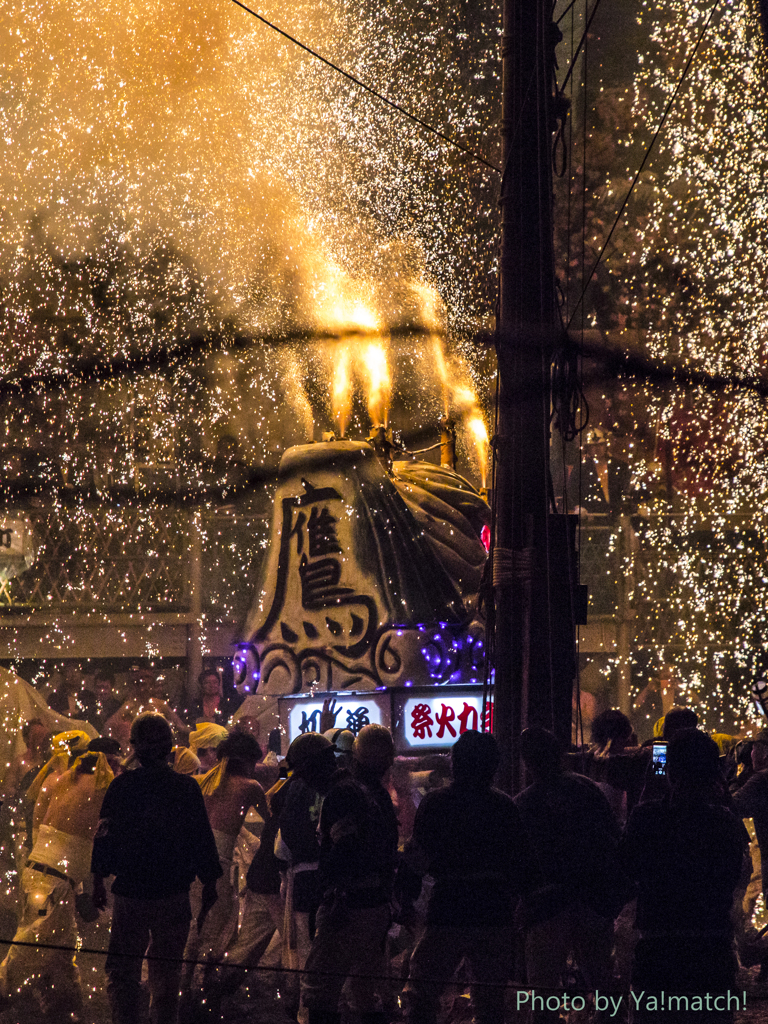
<point>646,157</point>
<point>369,89</point>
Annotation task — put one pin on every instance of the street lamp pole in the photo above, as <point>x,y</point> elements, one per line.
<point>526,677</point>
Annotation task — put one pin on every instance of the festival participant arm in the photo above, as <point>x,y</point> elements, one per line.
<point>206,857</point>
<point>259,800</point>
<point>750,800</point>
<point>105,849</point>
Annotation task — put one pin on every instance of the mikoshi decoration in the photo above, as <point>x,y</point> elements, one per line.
<point>354,593</point>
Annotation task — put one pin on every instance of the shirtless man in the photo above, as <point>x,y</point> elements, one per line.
<point>148,698</point>
<point>230,791</point>
<point>67,747</point>
<point>24,768</point>
<point>59,861</point>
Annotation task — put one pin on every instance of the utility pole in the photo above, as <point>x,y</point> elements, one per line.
<point>529,541</point>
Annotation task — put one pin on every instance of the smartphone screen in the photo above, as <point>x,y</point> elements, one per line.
<point>659,758</point>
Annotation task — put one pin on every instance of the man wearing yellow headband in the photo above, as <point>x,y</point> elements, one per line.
<point>58,863</point>
<point>230,791</point>
<point>204,741</point>
<point>67,746</point>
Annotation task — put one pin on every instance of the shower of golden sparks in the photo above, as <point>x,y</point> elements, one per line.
<point>460,400</point>
<point>695,263</point>
<point>373,358</point>
<point>479,434</point>
<point>341,393</point>
<point>442,371</point>
<point>296,395</point>
<point>183,186</point>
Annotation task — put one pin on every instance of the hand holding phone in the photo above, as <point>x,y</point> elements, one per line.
<point>659,758</point>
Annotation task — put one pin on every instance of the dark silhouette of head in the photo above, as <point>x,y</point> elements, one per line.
<point>374,749</point>
<point>242,752</point>
<point>36,735</point>
<point>104,745</point>
<point>611,725</point>
<point>540,752</point>
<point>693,758</point>
<point>151,738</point>
<point>474,759</point>
<point>311,758</point>
<point>677,719</point>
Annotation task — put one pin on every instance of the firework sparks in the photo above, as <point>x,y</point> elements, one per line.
<point>378,381</point>
<point>479,434</point>
<point>341,397</point>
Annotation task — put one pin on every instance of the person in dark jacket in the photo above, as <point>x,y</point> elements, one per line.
<point>574,837</point>
<point>470,838</point>
<point>686,853</point>
<point>358,851</point>
<point>154,837</point>
<point>751,799</point>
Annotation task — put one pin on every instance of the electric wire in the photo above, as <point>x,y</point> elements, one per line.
<point>570,8</point>
<point>646,156</point>
<point>270,970</point>
<point>369,89</point>
<point>582,42</point>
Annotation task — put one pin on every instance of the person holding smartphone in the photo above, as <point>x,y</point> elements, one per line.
<point>686,853</point>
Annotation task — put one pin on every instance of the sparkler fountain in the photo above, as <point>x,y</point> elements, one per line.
<point>195,213</point>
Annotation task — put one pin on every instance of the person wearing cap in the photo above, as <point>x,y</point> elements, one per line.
<point>58,864</point>
<point>343,741</point>
<point>154,837</point>
<point>358,853</point>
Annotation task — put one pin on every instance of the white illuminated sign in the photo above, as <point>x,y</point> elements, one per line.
<point>439,721</point>
<point>351,713</point>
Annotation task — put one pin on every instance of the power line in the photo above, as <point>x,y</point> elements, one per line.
<point>369,89</point>
<point>646,156</point>
<point>161,359</point>
<point>396,979</point>
<point>582,41</point>
<point>617,362</point>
